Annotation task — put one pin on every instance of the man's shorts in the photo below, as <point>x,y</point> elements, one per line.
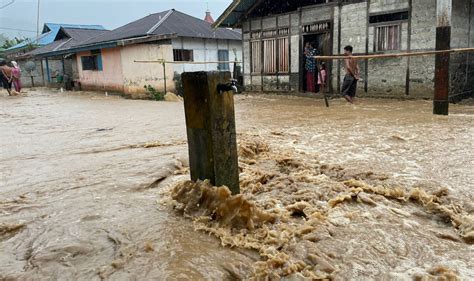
<point>4,82</point>
<point>349,86</point>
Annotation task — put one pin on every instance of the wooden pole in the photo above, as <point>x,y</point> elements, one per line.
<point>397,55</point>
<point>210,123</point>
<point>443,42</point>
<point>184,62</point>
<point>164,75</point>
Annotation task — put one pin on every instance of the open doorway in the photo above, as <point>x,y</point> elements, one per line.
<point>322,46</point>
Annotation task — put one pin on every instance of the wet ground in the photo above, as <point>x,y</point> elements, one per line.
<point>84,178</point>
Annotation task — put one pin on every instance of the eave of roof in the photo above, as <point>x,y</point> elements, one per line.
<point>232,15</point>
<point>106,45</point>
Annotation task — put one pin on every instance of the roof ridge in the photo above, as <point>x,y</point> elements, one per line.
<point>160,22</point>
<point>62,44</point>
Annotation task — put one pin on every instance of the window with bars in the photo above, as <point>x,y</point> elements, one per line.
<point>283,54</point>
<point>256,56</point>
<point>387,38</point>
<point>183,55</point>
<point>275,54</point>
<point>269,56</point>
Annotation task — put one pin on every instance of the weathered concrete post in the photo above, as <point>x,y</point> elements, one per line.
<point>210,123</point>
<point>443,42</point>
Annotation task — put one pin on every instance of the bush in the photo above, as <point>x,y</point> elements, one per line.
<point>156,95</point>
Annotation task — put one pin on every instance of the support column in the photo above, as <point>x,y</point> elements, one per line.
<point>47,71</point>
<point>443,42</point>
<point>210,123</point>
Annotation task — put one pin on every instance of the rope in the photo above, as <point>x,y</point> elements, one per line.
<point>398,55</point>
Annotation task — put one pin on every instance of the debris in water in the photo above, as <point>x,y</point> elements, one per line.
<point>9,230</point>
<point>299,214</point>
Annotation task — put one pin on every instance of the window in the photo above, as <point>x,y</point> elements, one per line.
<point>274,51</point>
<point>387,38</point>
<point>269,56</point>
<point>397,16</point>
<point>183,55</point>
<point>256,56</point>
<point>92,62</point>
<point>283,55</point>
<point>223,55</point>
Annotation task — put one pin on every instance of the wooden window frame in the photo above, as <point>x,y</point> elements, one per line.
<point>96,61</point>
<point>257,37</point>
<point>178,54</point>
<point>387,24</point>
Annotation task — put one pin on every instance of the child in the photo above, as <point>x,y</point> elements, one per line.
<point>322,78</point>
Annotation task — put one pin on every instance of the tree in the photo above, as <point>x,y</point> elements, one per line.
<point>10,43</point>
<point>3,39</point>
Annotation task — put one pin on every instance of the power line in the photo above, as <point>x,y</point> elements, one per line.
<point>8,4</point>
<point>17,29</point>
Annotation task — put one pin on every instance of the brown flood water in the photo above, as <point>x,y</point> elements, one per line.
<point>369,191</point>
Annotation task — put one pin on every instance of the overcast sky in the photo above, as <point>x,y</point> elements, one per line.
<point>109,13</point>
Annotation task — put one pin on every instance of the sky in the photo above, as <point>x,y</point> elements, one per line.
<point>109,13</point>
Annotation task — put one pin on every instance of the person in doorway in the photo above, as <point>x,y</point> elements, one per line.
<point>6,77</point>
<point>349,86</point>
<point>16,75</point>
<point>310,67</point>
<point>322,78</point>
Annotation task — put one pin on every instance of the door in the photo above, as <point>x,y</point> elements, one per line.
<point>322,43</point>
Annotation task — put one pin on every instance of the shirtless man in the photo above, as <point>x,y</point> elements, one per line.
<point>349,86</point>
<point>6,77</point>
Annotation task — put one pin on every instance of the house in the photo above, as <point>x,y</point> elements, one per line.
<point>275,31</point>
<point>54,37</point>
<point>116,60</point>
<point>51,32</point>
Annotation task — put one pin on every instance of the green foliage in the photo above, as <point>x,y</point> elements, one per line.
<point>178,84</point>
<point>3,39</point>
<point>12,42</point>
<point>156,95</point>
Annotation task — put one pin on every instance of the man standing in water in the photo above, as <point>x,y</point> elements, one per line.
<point>6,77</point>
<point>349,86</point>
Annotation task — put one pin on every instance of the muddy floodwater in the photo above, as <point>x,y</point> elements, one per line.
<point>93,187</point>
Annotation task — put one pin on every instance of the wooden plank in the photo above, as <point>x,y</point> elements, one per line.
<point>395,55</point>
<point>443,43</point>
<point>210,125</point>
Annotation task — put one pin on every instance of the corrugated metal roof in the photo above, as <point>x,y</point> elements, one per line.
<point>50,32</point>
<point>165,23</point>
<point>75,38</point>
<point>233,13</point>
<point>184,25</point>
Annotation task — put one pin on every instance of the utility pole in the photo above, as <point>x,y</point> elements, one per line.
<point>443,42</point>
<point>38,22</point>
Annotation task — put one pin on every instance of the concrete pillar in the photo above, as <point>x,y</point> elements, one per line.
<point>210,125</point>
<point>443,42</point>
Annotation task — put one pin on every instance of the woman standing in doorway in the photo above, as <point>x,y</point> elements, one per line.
<point>310,66</point>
